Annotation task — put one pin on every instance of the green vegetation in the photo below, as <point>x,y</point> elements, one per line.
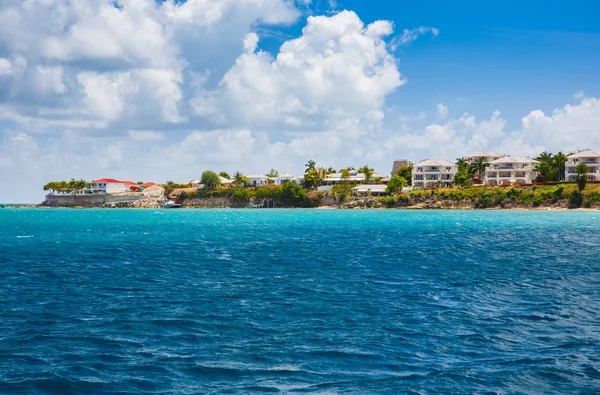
<point>224,174</point>
<point>396,183</point>
<point>170,187</point>
<point>69,186</point>
<point>468,174</point>
<point>240,179</point>
<point>273,173</point>
<point>210,179</point>
<point>406,173</point>
<point>581,175</point>
<point>551,167</point>
<point>576,198</point>
<point>559,194</point>
<point>287,195</point>
<point>368,172</point>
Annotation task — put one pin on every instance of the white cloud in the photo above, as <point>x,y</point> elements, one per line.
<point>410,35</point>
<point>568,128</point>
<point>51,79</point>
<point>251,42</point>
<point>337,70</point>
<point>442,111</point>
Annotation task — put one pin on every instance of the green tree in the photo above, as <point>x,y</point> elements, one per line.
<point>239,178</point>
<point>546,167</point>
<point>224,174</point>
<point>559,163</point>
<point>395,183</point>
<point>273,173</point>
<point>312,178</point>
<point>56,186</point>
<point>462,164</point>
<point>368,172</point>
<point>406,173</point>
<point>463,177</point>
<point>210,179</point>
<point>310,165</point>
<point>581,172</point>
<point>478,167</point>
<point>345,188</point>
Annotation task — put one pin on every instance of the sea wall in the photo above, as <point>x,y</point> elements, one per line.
<point>212,202</point>
<point>87,200</point>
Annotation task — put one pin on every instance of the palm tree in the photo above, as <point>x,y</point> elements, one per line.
<point>461,163</point>
<point>312,178</point>
<point>273,173</point>
<point>367,171</point>
<point>310,165</point>
<point>560,160</point>
<point>239,178</point>
<point>478,167</point>
<point>546,166</point>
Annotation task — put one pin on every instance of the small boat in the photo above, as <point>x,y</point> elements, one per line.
<point>169,203</point>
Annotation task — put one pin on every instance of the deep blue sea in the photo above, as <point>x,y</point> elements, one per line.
<point>299,301</point>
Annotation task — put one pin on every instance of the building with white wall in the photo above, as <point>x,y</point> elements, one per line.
<point>354,177</point>
<point>488,156</point>
<point>282,179</point>
<point>510,170</point>
<point>431,173</point>
<point>257,179</point>
<point>110,185</point>
<point>590,157</point>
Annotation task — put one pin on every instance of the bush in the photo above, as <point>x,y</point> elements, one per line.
<point>241,194</point>
<point>591,199</point>
<point>575,199</point>
<point>389,201</point>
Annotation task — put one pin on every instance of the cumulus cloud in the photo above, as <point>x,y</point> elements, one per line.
<point>567,128</point>
<point>339,69</point>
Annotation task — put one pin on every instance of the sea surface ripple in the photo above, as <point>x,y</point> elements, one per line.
<point>299,301</point>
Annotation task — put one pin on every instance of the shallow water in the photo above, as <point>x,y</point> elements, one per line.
<point>323,301</point>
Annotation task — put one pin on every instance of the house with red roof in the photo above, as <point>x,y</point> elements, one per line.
<point>110,185</point>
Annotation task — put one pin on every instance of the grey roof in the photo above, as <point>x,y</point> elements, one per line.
<point>514,159</point>
<point>486,154</point>
<point>588,153</point>
<point>434,162</point>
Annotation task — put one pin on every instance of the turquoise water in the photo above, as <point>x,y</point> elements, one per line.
<point>309,301</point>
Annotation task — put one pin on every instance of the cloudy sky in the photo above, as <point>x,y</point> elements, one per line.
<point>152,90</point>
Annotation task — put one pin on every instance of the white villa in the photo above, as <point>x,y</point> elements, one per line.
<point>225,181</point>
<point>110,185</point>
<point>511,170</point>
<point>488,156</point>
<point>428,173</point>
<point>287,177</point>
<point>336,178</point>
<point>370,190</point>
<point>590,157</point>
<point>257,179</point>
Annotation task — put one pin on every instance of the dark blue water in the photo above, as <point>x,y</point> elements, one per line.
<point>216,301</point>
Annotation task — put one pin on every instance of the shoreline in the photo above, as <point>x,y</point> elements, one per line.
<point>341,208</point>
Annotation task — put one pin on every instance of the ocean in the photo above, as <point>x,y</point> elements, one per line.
<point>299,301</point>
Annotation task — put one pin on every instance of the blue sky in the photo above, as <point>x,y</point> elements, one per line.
<point>89,91</point>
<point>505,55</point>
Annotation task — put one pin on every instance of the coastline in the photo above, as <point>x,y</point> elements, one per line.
<point>404,208</point>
